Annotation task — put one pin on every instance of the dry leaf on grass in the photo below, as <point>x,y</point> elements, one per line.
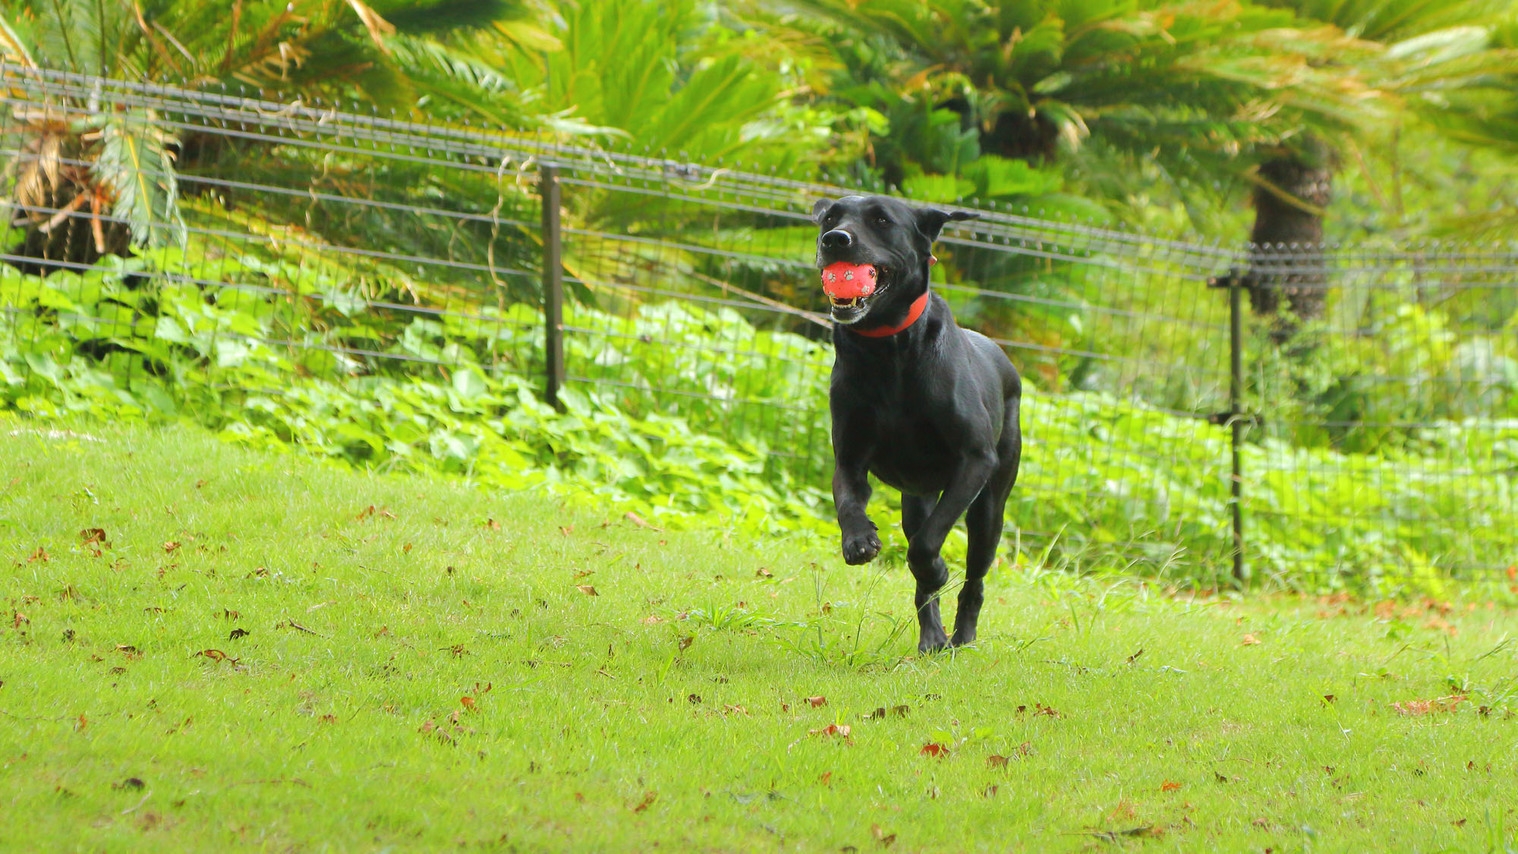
<point>640,522</point>
<point>934,749</point>
<point>832,730</point>
<point>1249,640</point>
<point>1416,708</point>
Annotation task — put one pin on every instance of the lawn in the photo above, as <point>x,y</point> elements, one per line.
<point>205,647</point>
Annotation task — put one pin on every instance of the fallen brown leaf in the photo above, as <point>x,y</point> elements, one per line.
<point>1249,640</point>
<point>839,730</point>
<point>639,521</point>
<point>996,761</point>
<point>1415,708</point>
<point>934,749</point>
<point>826,779</point>
<point>1170,786</point>
<point>818,701</point>
<point>170,547</point>
<point>763,572</point>
<point>587,589</point>
<point>648,800</point>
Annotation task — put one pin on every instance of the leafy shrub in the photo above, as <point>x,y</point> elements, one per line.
<point>1108,483</point>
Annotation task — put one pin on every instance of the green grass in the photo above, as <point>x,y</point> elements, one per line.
<point>670,708</point>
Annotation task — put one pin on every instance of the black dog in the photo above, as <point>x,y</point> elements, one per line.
<point>927,407</point>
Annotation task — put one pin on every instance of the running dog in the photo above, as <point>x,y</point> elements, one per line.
<point>925,406</point>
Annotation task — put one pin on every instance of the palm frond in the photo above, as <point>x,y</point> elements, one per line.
<point>135,164</point>
<point>13,46</point>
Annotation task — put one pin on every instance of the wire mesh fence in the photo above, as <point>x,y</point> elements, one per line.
<point>1373,437</point>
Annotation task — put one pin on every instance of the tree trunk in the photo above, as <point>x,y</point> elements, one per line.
<point>1286,258</point>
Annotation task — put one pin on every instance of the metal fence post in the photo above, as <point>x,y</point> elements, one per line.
<point>553,284</point>
<point>1236,421</point>
<point>1235,418</point>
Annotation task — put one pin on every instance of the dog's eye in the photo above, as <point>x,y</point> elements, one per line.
<point>880,220</point>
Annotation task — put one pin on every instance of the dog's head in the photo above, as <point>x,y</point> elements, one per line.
<point>874,253</point>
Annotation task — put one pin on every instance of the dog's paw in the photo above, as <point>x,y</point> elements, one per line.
<point>931,644</point>
<point>860,549</point>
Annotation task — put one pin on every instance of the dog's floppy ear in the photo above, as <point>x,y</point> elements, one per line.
<point>930,221</point>
<point>817,209</point>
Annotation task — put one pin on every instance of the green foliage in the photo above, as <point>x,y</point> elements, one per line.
<point>113,345</point>
<point>1108,483</point>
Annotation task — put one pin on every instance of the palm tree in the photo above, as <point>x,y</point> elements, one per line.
<point>1424,50</point>
<point>1033,79</point>
<point>91,181</point>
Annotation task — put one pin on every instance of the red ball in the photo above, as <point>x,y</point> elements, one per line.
<point>842,280</point>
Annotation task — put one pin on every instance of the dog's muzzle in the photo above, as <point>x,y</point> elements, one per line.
<point>848,286</point>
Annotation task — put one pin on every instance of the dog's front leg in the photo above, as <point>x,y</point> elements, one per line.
<point>851,494</point>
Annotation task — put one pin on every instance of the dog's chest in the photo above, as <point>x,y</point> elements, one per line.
<point>906,446</point>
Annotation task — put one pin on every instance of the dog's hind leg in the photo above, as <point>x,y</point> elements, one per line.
<point>914,511</point>
<point>930,579</point>
<point>984,521</point>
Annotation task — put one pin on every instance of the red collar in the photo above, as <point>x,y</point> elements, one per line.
<point>918,306</point>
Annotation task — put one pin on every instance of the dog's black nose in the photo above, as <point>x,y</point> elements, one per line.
<point>837,239</point>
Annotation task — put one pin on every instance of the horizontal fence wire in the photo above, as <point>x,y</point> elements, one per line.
<point>1380,386</point>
